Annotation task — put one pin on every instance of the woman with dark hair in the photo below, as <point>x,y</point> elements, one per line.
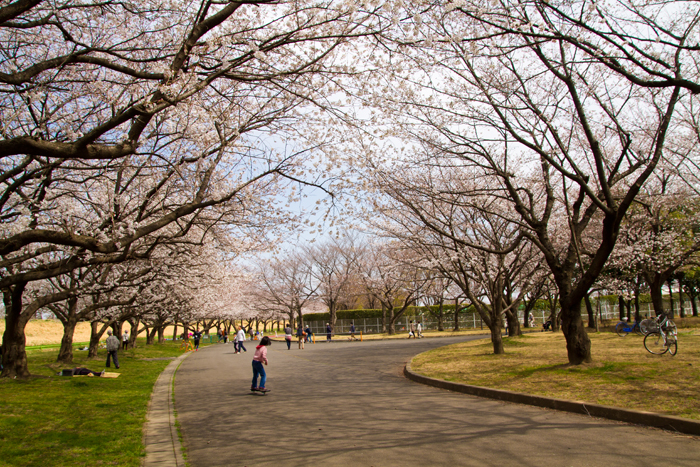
<point>259,359</point>
<point>288,335</point>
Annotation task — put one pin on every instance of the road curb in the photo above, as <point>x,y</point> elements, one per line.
<point>666,422</point>
<point>160,433</point>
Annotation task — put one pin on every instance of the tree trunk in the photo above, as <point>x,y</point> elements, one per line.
<point>657,299</point>
<point>391,327</point>
<point>589,310</point>
<point>134,332</point>
<point>621,305</point>
<point>496,338</point>
<point>670,297</point>
<point>384,329</point>
<point>175,330</point>
<point>681,307</point>
<point>96,334</point>
<point>334,315</point>
<point>94,339</point>
<point>161,334</point>
<point>693,303</point>
<point>456,328</point>
<point>14,355</point>
<point>65,354</point>
<point>513,324</point>
<point>118,326</point>
<point>441,326</point>
<point>628,304</point>
<point>151,336</point>
<point>578,344</point>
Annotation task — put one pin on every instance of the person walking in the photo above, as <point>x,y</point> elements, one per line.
<point>308,333</point>
<point>259,359</point>
<point>300,337</point>
<point>329,331</point>
<point>240,338</point>
<point>352,331</point>
<point>412,330</point>
<point>197,335</point>
<point>112,349</point>
<point>419,330</point>
<point>125,340</point>
<point>288,336</point>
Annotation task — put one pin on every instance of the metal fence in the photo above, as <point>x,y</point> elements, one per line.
<point>470,320</point>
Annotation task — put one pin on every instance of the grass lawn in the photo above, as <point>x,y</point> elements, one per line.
<point>52,420</point>
<point>623,373</point>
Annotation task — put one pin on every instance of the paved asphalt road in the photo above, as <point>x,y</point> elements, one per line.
<point>347,404</point>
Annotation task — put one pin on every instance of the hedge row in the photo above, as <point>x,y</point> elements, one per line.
<point>373,313</point>
<point>446,308</point>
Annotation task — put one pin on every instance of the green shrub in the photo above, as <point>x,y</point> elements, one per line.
<point>374,313</point>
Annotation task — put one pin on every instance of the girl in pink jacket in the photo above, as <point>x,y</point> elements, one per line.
<point>259,358</point>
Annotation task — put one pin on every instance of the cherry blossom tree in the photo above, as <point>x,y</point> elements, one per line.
<point>333,265</point>
<point>89,295</point>
<point>451,222</point>
<point>391,274</point>
<point>125,124</point>
<point>285,286</point>
<point>659,234</point>
<point>568,105</point>
<point>437,292</point>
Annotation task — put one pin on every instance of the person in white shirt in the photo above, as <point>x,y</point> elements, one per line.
<point>240,338</point>
<point>125,340</point>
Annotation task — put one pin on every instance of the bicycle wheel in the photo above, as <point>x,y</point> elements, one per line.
<point>646,326</point>
<point>672,347</point>
<point>620,329</point>
<point>637,328</point>
<point>654,343</point>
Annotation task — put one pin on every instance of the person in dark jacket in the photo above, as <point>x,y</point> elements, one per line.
<point>197,335</point>
<point>112,349</point>
<point>329,331</point>
<point>300,337</point>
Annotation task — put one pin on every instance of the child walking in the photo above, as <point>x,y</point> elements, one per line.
<point>259,358</point>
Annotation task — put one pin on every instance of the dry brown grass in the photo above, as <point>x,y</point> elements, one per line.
<point>50,331</point>
<point>623,373</point>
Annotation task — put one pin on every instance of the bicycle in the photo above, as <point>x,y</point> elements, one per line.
<point>187,346</point>
<point>664,339</point>
<point>648,325</point>
<point>623,328</point>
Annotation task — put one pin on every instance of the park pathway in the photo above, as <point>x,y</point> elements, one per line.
<point>347,404</point>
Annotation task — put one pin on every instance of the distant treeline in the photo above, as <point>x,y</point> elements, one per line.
<point>371,313</point>
<point>446,309</point>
